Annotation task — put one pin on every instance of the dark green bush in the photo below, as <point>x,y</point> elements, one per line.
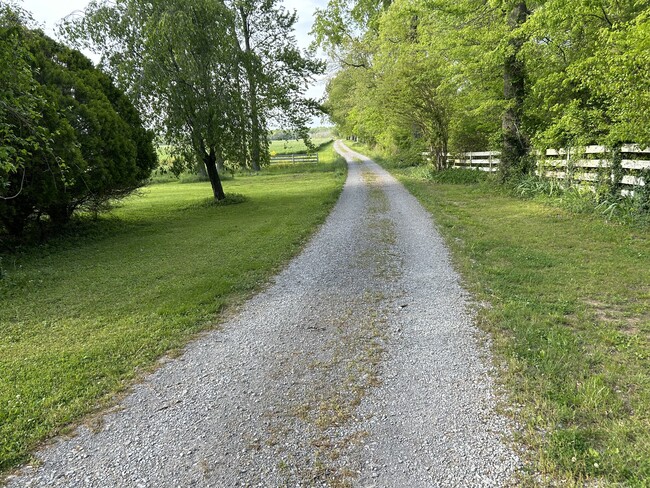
<point>86,145</point>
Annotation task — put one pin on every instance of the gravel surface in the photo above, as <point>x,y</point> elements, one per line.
<point>359,366</point>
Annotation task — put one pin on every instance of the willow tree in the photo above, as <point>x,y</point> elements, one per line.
<point>180,61</point>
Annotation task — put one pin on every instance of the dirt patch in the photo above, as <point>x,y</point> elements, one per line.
<point>625,321</point>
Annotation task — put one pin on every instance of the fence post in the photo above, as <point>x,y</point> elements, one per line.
<point>470,160</point>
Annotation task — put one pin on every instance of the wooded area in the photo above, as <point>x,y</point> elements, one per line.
<point>473,75</point>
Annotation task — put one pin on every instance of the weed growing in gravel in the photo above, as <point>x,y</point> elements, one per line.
<point>381,233</point>
<point>338,383</point>
<point>357,351</point>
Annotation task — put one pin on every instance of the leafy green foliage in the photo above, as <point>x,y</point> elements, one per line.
<point>453,176</point>
<point>426,80</point>
<point>584,198</point>
<point>276,71</point>
<point>473,75</point>
<point>587,63</point>
<point>20,101</point>
<point>72,140</point>
<point>188,81</point>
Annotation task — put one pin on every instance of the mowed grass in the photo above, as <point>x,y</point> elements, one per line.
<point>567,302</point>
<point>85,315</point>
<point>569,312</point>
<point>293,147</point>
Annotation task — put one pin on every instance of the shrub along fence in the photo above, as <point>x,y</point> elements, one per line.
<point>626,168</point>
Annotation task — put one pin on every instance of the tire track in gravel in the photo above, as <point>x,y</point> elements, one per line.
<point>359,366</point>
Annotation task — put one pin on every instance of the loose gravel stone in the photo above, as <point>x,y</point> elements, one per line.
<point>359,366</point>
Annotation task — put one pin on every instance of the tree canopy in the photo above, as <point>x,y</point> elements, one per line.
<point>276,72</point>
<point>478,74</point>
<point>207,74</point>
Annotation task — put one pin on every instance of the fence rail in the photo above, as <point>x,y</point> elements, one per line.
<point>295,158</point>
<point>588,164</point>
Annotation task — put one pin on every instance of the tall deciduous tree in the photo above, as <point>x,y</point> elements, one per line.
<point>208,73</point>
<point>276,72</point>
<point>515,146</point>
<point>428,80</point>
<point>180,60</point>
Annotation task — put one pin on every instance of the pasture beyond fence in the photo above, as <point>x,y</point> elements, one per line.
<point>591,164</point>
<point>295,158</point>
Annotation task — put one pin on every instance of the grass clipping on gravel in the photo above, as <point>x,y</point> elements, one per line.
<point>83,316</point>
<point>567,302</point>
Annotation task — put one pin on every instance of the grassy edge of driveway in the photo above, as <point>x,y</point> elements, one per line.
<point>566,300</point>
<point>87,314</point>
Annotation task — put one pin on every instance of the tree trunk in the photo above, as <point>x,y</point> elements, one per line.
<point>443,156</point>
<point>252,85</point>
<point>515,143</point>
<point>59,214</point>
<point>255,129</point>
<point>200,170</point>
<point>210,160</point>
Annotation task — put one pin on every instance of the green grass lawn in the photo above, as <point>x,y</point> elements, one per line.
<point>84,315</point>
<point>569,313</point>
<point>292,147</point>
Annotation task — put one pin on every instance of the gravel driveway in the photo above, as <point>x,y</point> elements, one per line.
<point>359,366</point>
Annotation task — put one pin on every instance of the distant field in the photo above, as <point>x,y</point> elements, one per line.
<point>289,147</point>
<point>276,148</point>
<point>84,315</point>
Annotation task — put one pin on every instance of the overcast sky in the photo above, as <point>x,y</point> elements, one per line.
<point>49,12</point>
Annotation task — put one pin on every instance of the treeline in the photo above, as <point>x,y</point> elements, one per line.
<point>442,75</point>
<point>314,133</point>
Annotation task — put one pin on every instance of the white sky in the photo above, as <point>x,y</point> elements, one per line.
<point>50,12</point>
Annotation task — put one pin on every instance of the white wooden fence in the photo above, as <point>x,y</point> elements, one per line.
<point>591,164</point>
<point>481,160</point>
<point>295,158</point>
<point>588,164</point>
